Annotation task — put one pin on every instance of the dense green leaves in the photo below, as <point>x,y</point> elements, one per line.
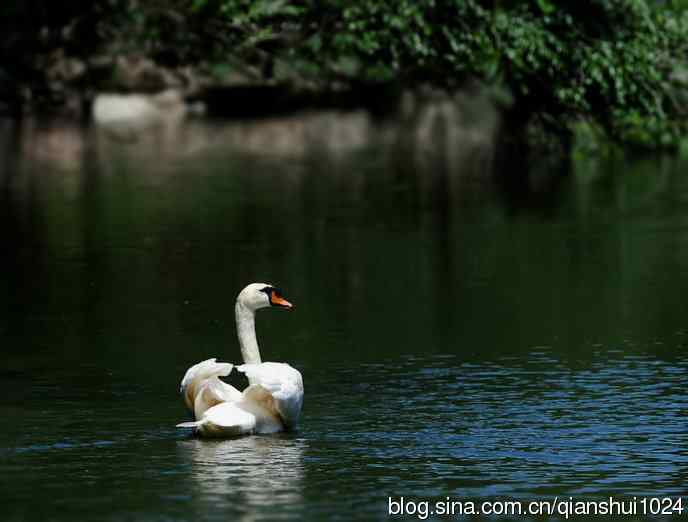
<point>612,63</point>
<point>619,65</point>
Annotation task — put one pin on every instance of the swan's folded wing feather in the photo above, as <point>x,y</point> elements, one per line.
<point>198,374</point>
<point>205,369</point>
<point>259,394</point>
<point>277,387</point>
<point>211,392</point>
<point>226,420</point>
<point>222,391</point>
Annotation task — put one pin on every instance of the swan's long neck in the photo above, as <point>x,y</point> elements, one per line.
<point>246,330</point>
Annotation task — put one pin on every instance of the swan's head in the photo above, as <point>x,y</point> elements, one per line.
<point>261,295</point>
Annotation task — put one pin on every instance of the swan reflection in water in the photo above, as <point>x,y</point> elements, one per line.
<point>251,477</point>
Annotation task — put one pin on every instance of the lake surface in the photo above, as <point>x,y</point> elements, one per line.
<point>459,335</point>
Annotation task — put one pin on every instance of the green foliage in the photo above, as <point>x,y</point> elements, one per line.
<point>618,65</point>
<point>609,62</point>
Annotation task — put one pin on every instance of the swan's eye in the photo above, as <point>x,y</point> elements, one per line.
<point>267,290</point>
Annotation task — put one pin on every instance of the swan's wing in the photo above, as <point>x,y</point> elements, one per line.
<point>224,420</point>
<point>211,392</point>
<point>196,376</point>
<point>204,370</point>
<point>277,387</point>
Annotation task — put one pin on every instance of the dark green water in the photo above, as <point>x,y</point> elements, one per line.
<point>458,336</point>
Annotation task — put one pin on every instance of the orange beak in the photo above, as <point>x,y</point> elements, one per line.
<point>277,300</point>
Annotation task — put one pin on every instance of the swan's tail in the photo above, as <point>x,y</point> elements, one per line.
<point>199,373</point>
<point>195,424</point>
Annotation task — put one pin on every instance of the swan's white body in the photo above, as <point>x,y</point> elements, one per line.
<point>272,401</point>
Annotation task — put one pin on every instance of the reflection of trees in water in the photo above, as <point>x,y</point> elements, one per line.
<point>23,227</point>
<point>325,203</point>
<point>248,475</point>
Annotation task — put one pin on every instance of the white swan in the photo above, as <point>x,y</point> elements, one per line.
<point>272,402</point>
